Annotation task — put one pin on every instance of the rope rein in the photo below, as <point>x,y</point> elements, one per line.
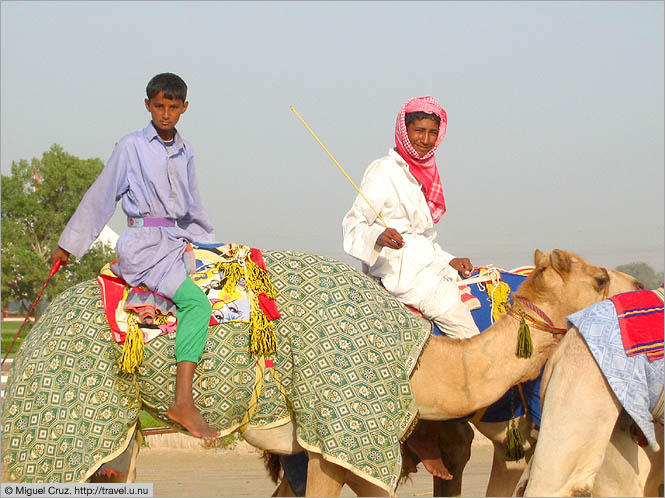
<point>522,315</point>
<point>493,277</point>
<point>534,308</point>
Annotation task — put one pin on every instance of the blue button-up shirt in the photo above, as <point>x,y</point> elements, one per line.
<point>152,180</point>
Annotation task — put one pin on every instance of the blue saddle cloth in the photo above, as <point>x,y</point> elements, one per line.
<point>510,405</point>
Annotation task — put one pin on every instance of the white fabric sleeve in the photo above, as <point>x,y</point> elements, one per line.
<point>361,227</point>
<point>445,256</point>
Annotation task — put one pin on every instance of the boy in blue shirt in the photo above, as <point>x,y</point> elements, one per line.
<point>152,171</point>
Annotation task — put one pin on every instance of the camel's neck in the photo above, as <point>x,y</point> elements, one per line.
<point>457,377</point>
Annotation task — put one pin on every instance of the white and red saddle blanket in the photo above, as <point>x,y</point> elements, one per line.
<point>231,296</point>
<point>629,359</point>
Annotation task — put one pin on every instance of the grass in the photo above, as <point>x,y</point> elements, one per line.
<point>9,330</point>
<point>148,421</point>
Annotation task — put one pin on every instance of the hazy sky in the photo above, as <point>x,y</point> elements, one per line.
<point>555,111</point>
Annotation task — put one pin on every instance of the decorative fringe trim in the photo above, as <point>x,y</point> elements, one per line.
<point>258,280</point>
<point>524,342</point>
<point>410,430</point>
<point>262,332</point>
<point>262,340</point>
<point>161,319</point>
<point>132,349</point>
<point>233,272</point>
<point>514,443</point>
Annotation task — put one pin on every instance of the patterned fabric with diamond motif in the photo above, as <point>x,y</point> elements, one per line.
<point>346,349</point>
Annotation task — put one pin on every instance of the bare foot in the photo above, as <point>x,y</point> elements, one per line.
<point>190,418</point>
<point>424,442</point>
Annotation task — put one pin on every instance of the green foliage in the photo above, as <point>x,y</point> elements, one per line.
<point>148,421</point>
<point>34,214</point>
<point>644,273</point>
<point>9,330</point>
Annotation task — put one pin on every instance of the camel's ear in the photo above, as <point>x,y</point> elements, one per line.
<point>560,261</point>
<point>537,256</point>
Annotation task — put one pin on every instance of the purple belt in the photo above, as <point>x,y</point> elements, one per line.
<point>149,221</point>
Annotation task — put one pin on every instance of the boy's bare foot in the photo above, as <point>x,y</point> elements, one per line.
<point>183,410</point>
<point>190,418</point>
<point>424,442</point>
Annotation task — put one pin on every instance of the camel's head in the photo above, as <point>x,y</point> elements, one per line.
<point>563,283</point>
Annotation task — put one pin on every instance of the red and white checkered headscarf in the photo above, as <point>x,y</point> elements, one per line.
<point>423,168</point>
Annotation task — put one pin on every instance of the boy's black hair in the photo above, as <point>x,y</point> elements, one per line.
<point>410,117</point>
<point>172,85</point>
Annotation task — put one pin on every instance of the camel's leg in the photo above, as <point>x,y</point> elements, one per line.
<point>363,488</point>
<point>578,419</point>
<point>628,469</point>
<point>455,440</point>
<point>295,472</point>
<point>323,478</point>
<point>523,480</point>
<point>327,480</point>
<point>505,474</point>
<point>283,489</point>
<point>654,480</point>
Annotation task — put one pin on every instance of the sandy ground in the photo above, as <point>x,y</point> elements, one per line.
<point>187,472</point>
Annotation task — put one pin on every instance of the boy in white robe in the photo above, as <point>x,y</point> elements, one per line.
<point>404,187</point>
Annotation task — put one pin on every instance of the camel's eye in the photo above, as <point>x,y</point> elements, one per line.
<point>601,282</point>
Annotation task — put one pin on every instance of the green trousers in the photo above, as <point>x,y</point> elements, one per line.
<point>193,317</point>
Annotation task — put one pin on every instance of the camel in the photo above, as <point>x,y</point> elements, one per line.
<point>451,379</point>
<point>585,446</point>
<point>505,473</point>
<point>627,469</point>
<point>477,371</point>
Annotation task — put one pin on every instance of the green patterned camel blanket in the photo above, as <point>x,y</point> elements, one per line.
<point>345,351</point>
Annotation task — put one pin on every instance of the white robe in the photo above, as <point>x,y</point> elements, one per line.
<point>418,274</point>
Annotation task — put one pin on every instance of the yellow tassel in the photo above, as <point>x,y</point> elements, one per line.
<point>233,272</point>
<point>132,349</point>
<point>262,340</point>
<point>499,294</point>
<point>524,343</point>
<point>262,332</point>
<point>514,443</point>
<point>258,280</point>
<point>161,319</point>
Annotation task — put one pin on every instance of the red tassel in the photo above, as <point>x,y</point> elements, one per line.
<point>255,255</point>
<point>269,307</point>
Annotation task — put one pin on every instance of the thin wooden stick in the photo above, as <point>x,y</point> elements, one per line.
<point>339,166</point>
